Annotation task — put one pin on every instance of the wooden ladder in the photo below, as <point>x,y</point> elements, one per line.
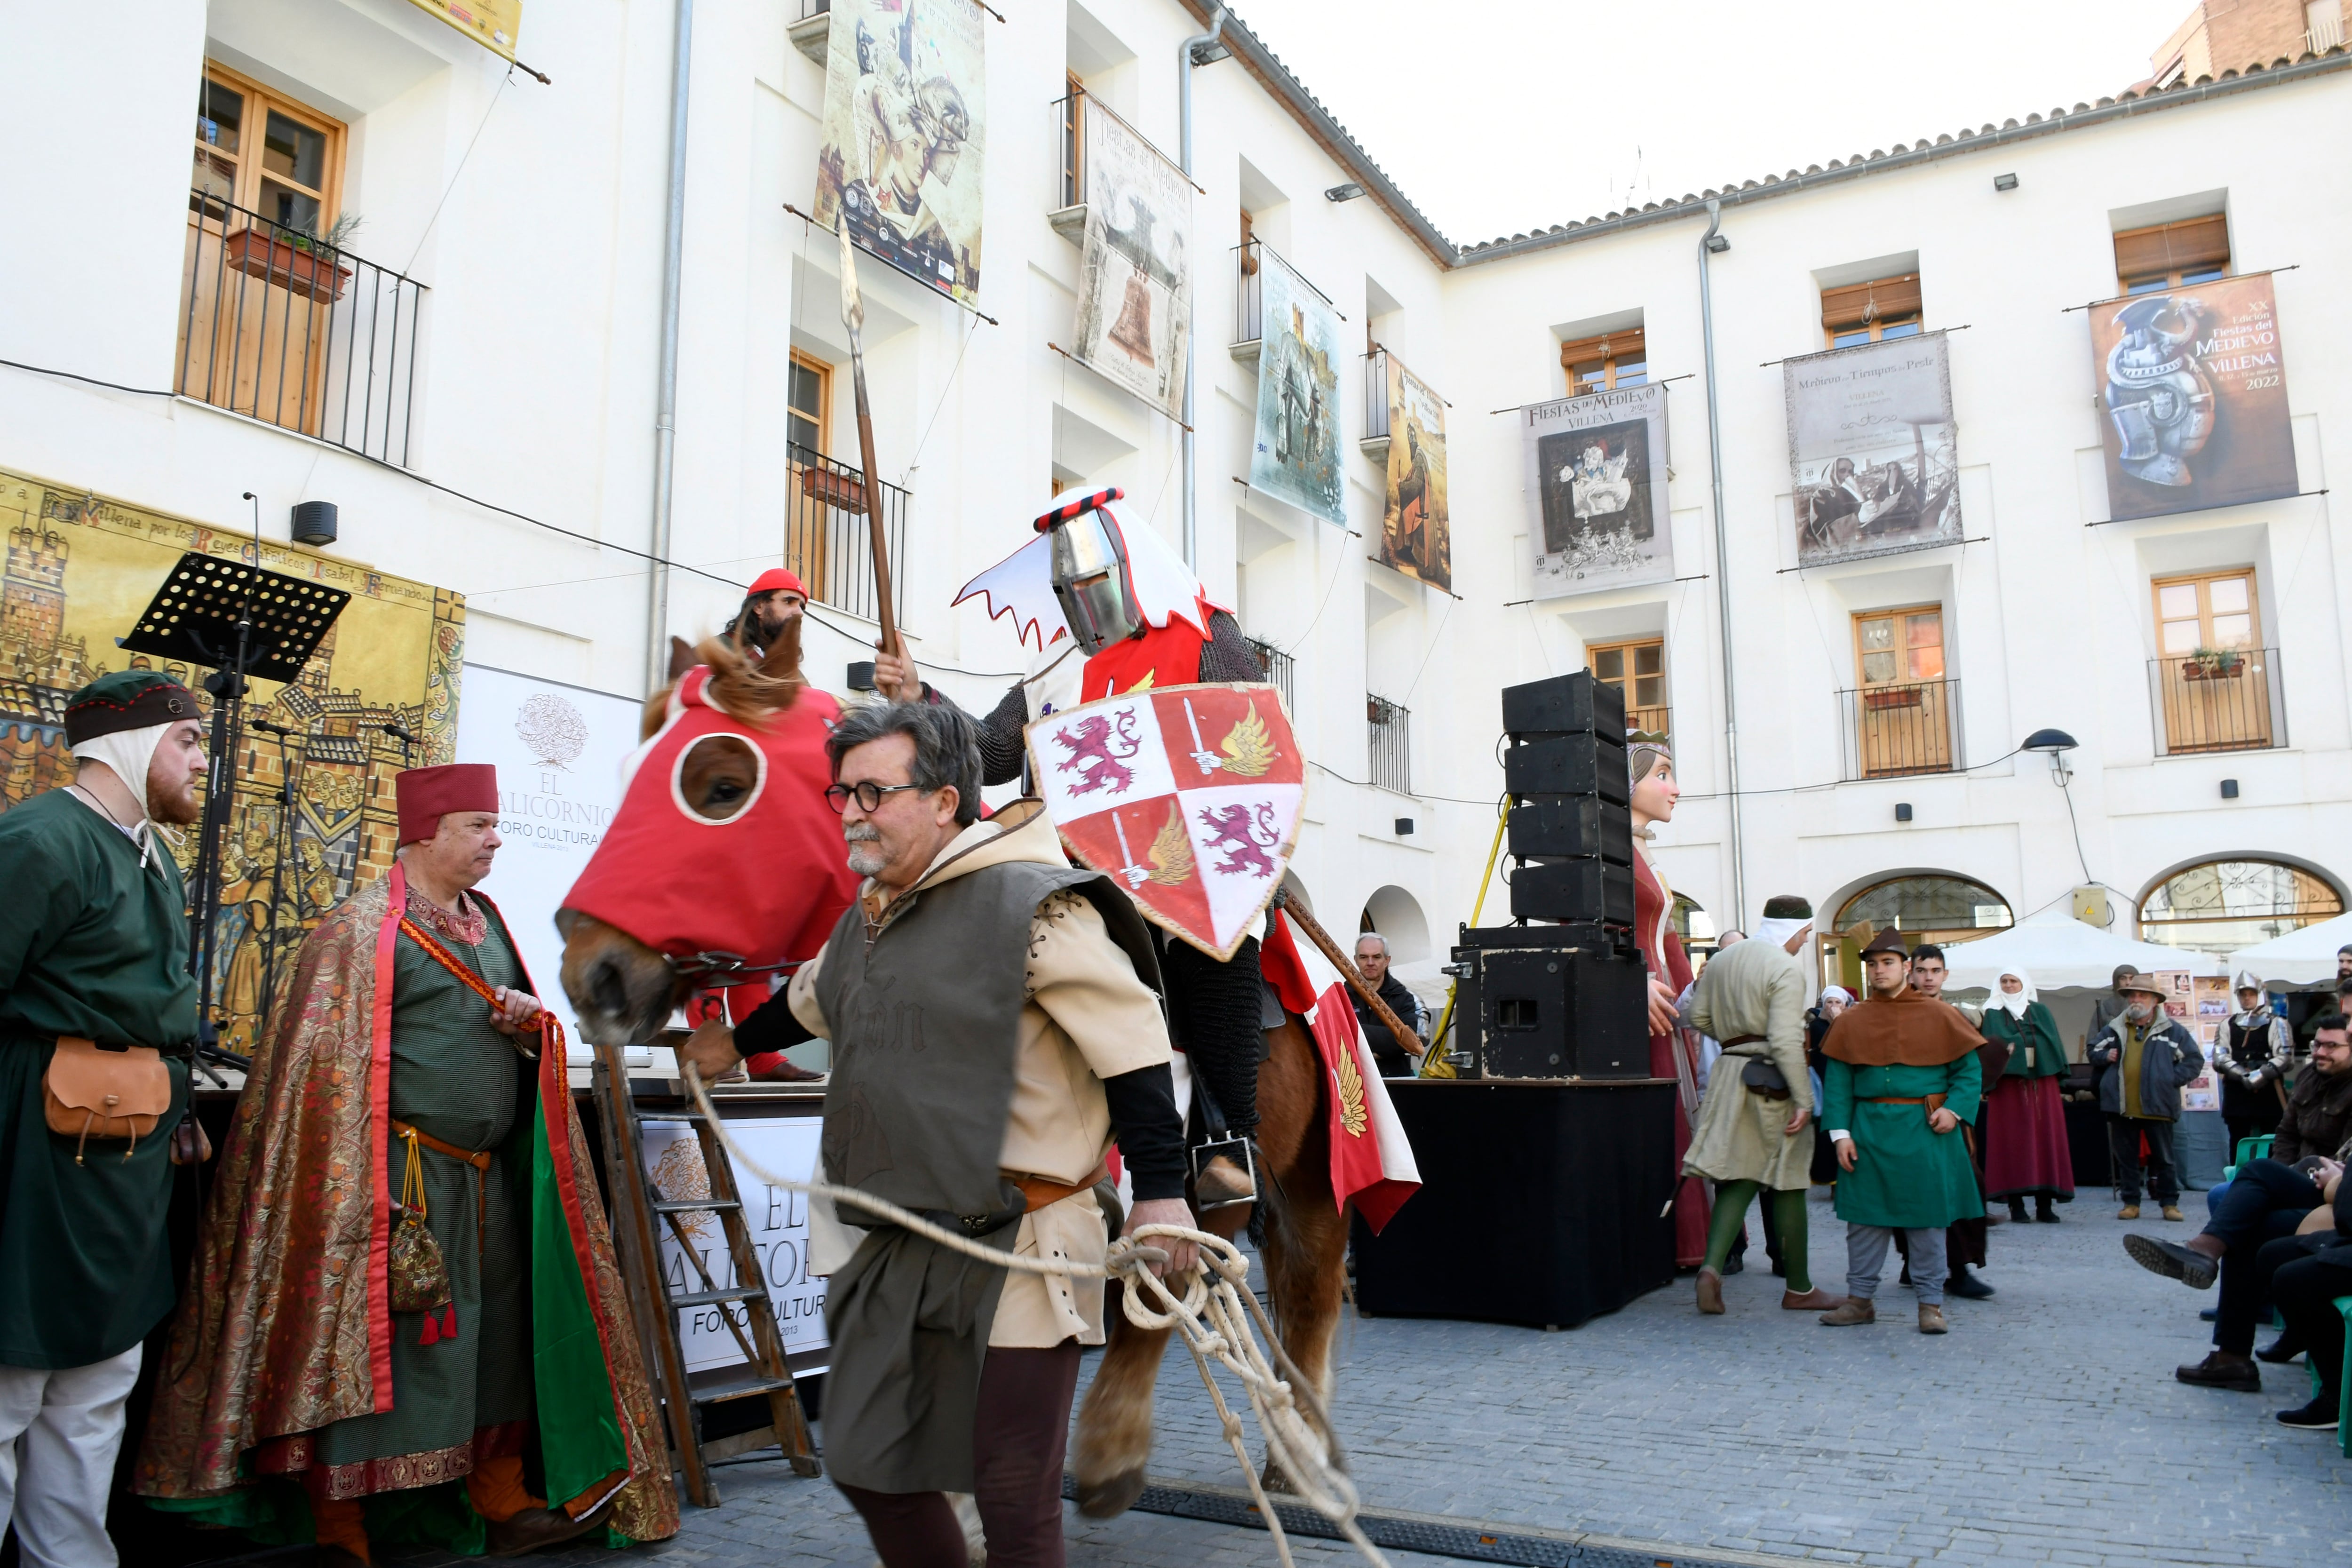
<point>636,1204</point>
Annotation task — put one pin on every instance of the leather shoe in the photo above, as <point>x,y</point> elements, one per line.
<point>1736,1264</point>
<point>536,1527</point>
<point>786,1071</point>
<point>2129,1211</point>
<point>2171,1212</point>
<point>1221,1181</point>
<point>1813,1301</point>
<point>2044,1214</point>
<point>1710,1292</point>
<point>2319,1415</point>
<point>1931,1320</point>
<point>2172,1261</point>
<point>1966,1286</point>
<point>2280,1350</point>
<point>1849,1313</point>
<point>2221,1370</point>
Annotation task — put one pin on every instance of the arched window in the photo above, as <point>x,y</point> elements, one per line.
<point>1924,907</point>
<point>2224,905</point>
<point>1396,915</point>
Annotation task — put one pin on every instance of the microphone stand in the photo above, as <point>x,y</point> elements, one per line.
<point>277,869</point>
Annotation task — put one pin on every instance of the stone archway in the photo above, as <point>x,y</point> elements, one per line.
<point>1396,915</point>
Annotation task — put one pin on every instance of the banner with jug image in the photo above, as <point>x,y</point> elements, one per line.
<point>1415,536</point>
<point>1596,476</point>
<point>2192,387</point>
<point>1295,456</point>
<point>898,158</point>
<point>1135,291</point>
<point>1874,455</point>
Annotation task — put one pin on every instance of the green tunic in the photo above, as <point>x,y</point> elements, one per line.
<point>2036,1036</point>
<point>1905,1175</point>
<point>92,945</point>
<point>460,1081</point>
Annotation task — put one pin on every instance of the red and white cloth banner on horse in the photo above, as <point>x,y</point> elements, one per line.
<point>1191,796</point>
<point>1372,1160</point>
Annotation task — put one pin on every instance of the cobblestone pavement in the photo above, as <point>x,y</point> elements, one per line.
<point>2046,1427</point>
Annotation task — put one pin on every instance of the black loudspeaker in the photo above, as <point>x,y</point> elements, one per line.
<point>1561,1011</point>
<point>1586,890</point>
<point>1565,704</point>
<point>1572,827</point>
<point>1568,764</point>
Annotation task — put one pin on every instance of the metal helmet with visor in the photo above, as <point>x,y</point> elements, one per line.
<point>1091,575</point>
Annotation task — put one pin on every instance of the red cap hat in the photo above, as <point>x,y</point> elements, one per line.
<point>773,578</point>
<point>424,794</point>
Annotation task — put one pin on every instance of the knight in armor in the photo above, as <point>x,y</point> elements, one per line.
<point>2254,1064</point>
<point>1136,617</point>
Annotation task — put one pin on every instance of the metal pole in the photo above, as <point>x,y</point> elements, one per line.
<point>1722,567</point>
<point>1184,63</point>
<point>666,410</point>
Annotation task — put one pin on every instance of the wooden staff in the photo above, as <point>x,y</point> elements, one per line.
<point>1345,966</point>
<point>852,316</point>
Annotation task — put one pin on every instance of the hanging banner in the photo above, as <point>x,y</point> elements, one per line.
<point>899,155</point>
<point>1873,457</point>
<point>1135,291</point>
<point>1416,537</point>
<point>1295,457</point>
<point>1596,470</point>
<point>81,568</point>
<point>2194,389</point>
<point>778,1221</point>
<point>558,751</point>
<point>492,23</point>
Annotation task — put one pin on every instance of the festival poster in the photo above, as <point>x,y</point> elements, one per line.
<point>492,23</point>
<point>81,569</point>
<point>1596,476</point>
<point>779,1224</point>
<point>1135,291</point>
<point>1295,456</point>
<point>2192,393</point>
<point>899,155</point>
<point>1873,452</point>
<point>1415,536</point>
<point>558,751</point>
<point>2212,1010</point>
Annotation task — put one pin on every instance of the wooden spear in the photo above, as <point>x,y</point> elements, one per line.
<point>852,316</point>
<point>1347,968</point>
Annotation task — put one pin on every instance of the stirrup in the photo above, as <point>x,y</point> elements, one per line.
<point>1241,1151</point>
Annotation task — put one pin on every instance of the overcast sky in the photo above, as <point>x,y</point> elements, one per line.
<point>1513,114</point>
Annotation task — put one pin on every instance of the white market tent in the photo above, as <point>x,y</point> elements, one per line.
<point>2058,951</point>
<point>2299,957</point>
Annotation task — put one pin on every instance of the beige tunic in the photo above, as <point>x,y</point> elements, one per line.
<point>1089,1017</point>
<point>1753,988</point>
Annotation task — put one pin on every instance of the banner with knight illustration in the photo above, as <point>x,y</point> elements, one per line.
<point>1190,796</point>
<point>80,568</point>
<point>1135,289</point>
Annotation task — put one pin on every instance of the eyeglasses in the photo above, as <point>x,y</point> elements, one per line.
<point>869,795</point>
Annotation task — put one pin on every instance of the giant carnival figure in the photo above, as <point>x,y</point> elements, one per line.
<point>1134,618</point>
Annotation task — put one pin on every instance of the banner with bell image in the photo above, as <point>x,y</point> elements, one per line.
<point>2192,398</point>
<point>1874,455</point>
<point>1295,455</point>
<point>1135,289</point>
<point>1415,536</point>
<point>901,151</point>
<point>1596,480</point>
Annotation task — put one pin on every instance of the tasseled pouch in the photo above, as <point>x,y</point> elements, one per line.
<point>419,1275</point>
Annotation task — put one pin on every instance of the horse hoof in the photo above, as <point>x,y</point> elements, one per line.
<point>1271,1479</point>
<point>1111,1496</point>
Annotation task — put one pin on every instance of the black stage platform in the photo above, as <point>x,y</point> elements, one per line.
<point>1539,1201</point>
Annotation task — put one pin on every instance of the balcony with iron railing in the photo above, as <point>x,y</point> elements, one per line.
<point>1278,667</point>
<point>828,540</point>
<point>1389,744</point>
<point>1900,729</point>
<point>1656,721</point>
<point>281,326</point>
<point>1375,442</point>
<point>1249,298</point>
<point>2218,700</point>
<point>811,31</point>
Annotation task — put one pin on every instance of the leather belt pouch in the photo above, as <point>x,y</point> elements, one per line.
<point>1762,1077</point>
<point>90,1092</point>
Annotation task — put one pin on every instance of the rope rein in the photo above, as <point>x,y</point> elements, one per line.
<point>1213,1319</point>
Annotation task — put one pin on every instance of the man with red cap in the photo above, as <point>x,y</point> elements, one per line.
<point>774,600</point>
<point>404,1278</point>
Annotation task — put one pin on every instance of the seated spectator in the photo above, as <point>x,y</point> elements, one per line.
<point>1394,1057</point>
<point>2263,1206</point>
<point>2313,1270</point>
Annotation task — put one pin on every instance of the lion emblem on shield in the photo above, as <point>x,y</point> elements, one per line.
<point>1245,832</point>
<point>1098,751</point>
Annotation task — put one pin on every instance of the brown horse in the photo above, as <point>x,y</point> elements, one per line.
<point>1305,1240</point>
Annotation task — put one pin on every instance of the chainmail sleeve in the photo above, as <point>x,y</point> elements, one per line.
<point>1227,655</point>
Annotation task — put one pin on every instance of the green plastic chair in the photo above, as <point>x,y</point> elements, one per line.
<point>2343,1388</point>
<point>2251,1148</point>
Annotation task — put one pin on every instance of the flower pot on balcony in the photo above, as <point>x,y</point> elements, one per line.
<point>829,488</point>
<point>288,265</point>
<point>2214,667</point>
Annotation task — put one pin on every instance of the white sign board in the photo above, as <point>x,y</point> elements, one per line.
<point>558,751</point>
<point>779,1226</point>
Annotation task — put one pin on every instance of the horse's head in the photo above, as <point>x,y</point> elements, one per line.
<point>723,861</point>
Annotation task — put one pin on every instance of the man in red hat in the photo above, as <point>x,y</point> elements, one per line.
<point>403,1280</point>
<point>773,602</point>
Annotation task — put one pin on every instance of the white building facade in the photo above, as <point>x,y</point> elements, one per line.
<point>509,427</point>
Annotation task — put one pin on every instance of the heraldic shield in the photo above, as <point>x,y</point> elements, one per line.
<point>1191,796</point>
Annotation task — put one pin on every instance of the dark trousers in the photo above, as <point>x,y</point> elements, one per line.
<point>2265,1202</point>
<point>1214,1009</point>
<point>1018,1435</point>
<point>2305,1289</point>
<point>2122,1145</point>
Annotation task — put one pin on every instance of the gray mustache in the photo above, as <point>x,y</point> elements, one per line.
<point>860,832</point>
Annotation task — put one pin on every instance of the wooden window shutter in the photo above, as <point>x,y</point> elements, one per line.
<point>2192,245</point>
<point>1859,304</point>
<point>1626,345</point>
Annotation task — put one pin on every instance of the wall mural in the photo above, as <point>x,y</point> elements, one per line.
<point>80,568</point>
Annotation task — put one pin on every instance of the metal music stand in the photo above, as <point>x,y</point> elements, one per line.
<point>239,621</point>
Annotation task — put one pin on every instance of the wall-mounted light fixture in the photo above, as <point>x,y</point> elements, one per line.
<point>2004,181</point>
<point>1716,244</point>
<point>2229,789</point>
<point>314,522</point>
<point>1404,827</point>
<point>1347,193</point>
<point>861,674</point>
<point>2053,745</point>
<point>1902,811</point>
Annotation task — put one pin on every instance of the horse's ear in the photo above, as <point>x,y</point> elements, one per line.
<point>682,657</point>
<point>784,660</point>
